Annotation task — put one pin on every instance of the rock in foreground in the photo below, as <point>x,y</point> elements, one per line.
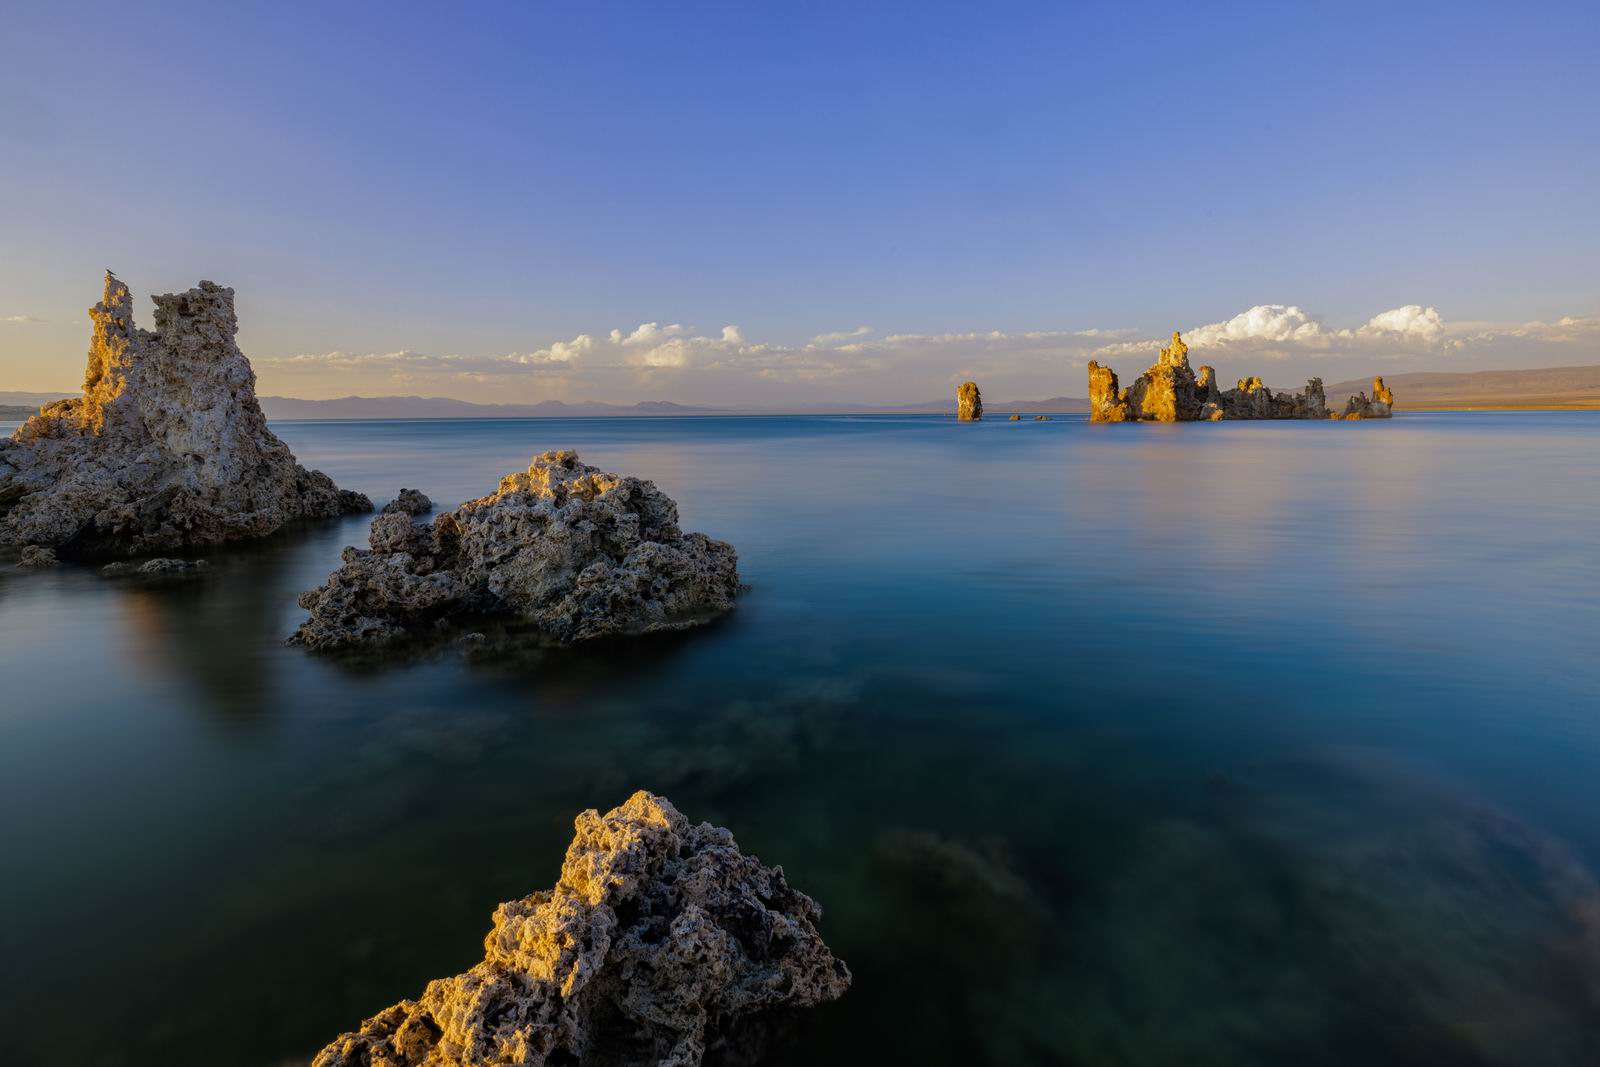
<point>661,941</point>
<point>166,449</point>
<point>1171,392</point>
<point>571,551</point>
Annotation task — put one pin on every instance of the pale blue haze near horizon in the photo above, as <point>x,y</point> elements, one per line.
<point>491,179</point>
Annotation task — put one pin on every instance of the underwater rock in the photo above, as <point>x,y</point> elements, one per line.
<point>1041,418</point>
<point>166,448</point>
<point>568,549</point>
<point>37,557</point>
<point>660,941</point>
<point>1171,392</point>
<point>153,567</point>
<point>409,502</point>
<point>969,402</point>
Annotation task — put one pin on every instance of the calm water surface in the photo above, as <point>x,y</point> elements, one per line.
<point>1208,744</point>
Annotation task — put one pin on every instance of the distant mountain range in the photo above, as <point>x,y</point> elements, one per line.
<point>421,407</point>
<point>1545,387</point>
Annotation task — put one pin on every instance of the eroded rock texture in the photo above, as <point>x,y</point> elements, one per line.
<point>660,942</point>
<point>167,447</point>
<point>409,502</point>
<point>574,552</point>
<point>969,402</point>
<point>1171,392</point>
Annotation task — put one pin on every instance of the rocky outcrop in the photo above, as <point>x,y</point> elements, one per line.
<point>569,551</point>
<point>167,447</point>
<point>1379,406</point>
<point>969,402</point>
<point>1171,392</point>
<point>409,502</point>
<point>661,941</point>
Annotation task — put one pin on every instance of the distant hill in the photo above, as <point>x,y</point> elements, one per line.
<point>435,407</point>
<point>17,412</point>
<point>439,407</point>
<point>1545,387</point>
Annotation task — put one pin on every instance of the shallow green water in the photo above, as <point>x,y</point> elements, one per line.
<point>1234,744</point>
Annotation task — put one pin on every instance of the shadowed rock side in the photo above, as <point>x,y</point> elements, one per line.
<point>166,448</point>
<point>969,402</point>
<point>661,942</point>
<point>1171,392</point>
<point>572,551</point>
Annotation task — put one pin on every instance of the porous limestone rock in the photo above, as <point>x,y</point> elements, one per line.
<point>1380,406</point>
<point>572,551</point>
<point>1016,418</point>
<point>409,502</point>
<point>969,402</point>
<point>166,448</point>
<point>661,941</point>
<point>37,557</point>
<point>1171,392</point>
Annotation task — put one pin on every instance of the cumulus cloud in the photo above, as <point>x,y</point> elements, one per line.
<point>676,361</point>
<point>1282,330</point>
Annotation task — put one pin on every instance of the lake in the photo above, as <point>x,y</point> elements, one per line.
<point>1224,744</point>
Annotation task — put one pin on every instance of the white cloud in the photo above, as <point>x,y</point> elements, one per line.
<point>559,352</point>
<point>841,335</point>
<point>1281,330</point>
<point>1275,323</point>
<point>19,318</point>
<point>1412,322</point>
<point>648,333</point>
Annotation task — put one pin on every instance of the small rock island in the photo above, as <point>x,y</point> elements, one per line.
<point>661,940</point>
<point>167,447</point>
<point>1171,392</point>
<point>969,402</point>
<point>566,549</point>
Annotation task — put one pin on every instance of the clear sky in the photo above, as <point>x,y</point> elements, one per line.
<point>853,201</point>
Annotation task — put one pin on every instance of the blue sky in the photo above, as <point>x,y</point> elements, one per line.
<point>448,200</point>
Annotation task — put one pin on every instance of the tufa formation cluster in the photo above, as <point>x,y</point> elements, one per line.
<point>1171,392</point>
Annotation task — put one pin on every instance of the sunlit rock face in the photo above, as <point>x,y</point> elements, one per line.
<point>1171,392</point>
<point>569,550</point>
<point>661,942</point>
<point>1379,406</point>
<point>167,447</point>
<point>969,402</point>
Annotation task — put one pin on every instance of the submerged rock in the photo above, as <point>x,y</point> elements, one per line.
<point>409,502</point>
<point>566,548</point>
<point>661,941</point>
<point>154,567</point>
<point>37,557</point>
<point>1171,392</point>
<point>1016,418</point>
<point>969,402</point>
<point>166,448</point>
